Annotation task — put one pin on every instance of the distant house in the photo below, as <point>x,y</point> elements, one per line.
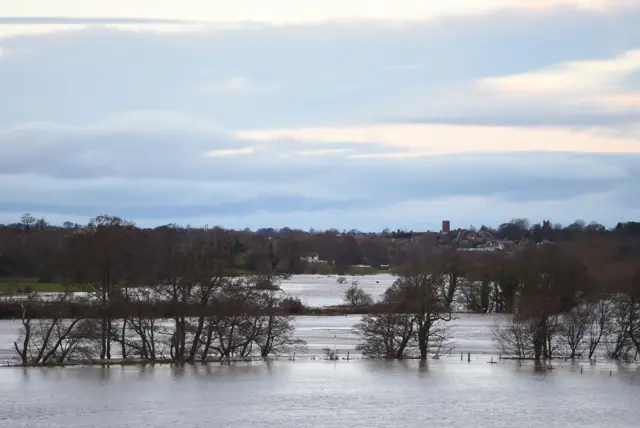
<point>477,249</point>
<point>312,258</point>
<point>546,242</point>
<point>485,246</point>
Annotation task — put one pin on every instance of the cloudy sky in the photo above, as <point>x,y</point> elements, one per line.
<point>359,114</point>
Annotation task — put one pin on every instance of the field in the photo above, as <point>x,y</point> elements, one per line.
<point>25,285</point>
<point>17,285</point>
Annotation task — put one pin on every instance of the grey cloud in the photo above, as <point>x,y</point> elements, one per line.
<point>130,152</point>
<point>152,212</point>
<point>524,119</point>
<point>521,176</point>
<point>35,20</point>
<point>632,80</point>
<point>325,74</point>
<point>151,165</point>
<point>472,104</point>
<point>156,174</point>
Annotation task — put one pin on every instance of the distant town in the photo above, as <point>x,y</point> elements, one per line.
<point>31,247</point>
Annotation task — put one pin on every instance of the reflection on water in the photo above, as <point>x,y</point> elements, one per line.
<point>470,333</point>
<point>423,367</point>
<point>306,394</point>
<point>302,394</point>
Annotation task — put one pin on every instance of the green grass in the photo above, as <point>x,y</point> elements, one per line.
<point>366,271</point>
<point>30,285</point>
<point>235,272</point>
<point>21,285</point>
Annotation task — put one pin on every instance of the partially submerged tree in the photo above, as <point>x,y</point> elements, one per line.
<point>191,279</point>
<point>386,335</point>
<point>416,308</point>
<point>515,337</point>
<point>425,295</point>
<point>552,281</point>
<point>53,339</point>
<point>22,346</point>
<point>101,258</point>
<point>355,296</point>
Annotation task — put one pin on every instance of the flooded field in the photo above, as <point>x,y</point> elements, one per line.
<point>305,394</point>
<point>313,392</point>
<point>324,290</point>
<point>470,333</point>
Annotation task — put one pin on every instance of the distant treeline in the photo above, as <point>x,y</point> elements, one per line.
<point>32,248</point>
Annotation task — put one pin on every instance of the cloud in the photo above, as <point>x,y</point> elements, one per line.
<point>15,30</point>
<point>236,85</point>
<point>600,84</point>
<point>305,75</point>
<point>318,152</point>
<point>430,139</point>
<point>569,78</point>
<point>282,11</point>
<point>256,124</point>
<point>71,20</point>
<point>232,152</point>
<point>154,170</point>
<point>582,93</point>
<point>8,54</point>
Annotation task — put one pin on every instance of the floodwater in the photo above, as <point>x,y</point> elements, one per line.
<point>324,290</point>
<point>312,290</point>
<point>308,392</point>
<point>305,394</point>
<point>468,332</point>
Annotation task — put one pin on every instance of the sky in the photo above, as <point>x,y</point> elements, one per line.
<point>350,115</point>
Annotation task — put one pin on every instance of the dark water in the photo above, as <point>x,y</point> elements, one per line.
<point>304,394</point>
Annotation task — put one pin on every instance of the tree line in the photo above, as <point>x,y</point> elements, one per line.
<point>577,299</point>
<point>174,293</point>
<point>146,301</point>
<point>33,248</point>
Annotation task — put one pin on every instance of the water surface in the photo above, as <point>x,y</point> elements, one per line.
<point>305,394</point>
<point>469,333</point>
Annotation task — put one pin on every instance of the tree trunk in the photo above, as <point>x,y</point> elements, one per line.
<point>123,338</point>
<point>484,297</point>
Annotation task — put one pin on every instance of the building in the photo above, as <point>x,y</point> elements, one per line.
<point>446,226</point>
<point>311,258</point>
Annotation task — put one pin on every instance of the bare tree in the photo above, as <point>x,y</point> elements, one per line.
<point>193,277</point>
<point>386,335</point>
<point>258,319</point>
<point>27,219</point>
<point>417,308</point>
<point>599,325</point>
<point>23,348</point>
<point>574,326</point>
<point>101,258</point>
<point>426,297</point>
<point>515,337</point>
<point>146,328</point>
<point>276,330</point>
<point>355,296</point>
<point>623,317</point>
<point>46,340</point>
